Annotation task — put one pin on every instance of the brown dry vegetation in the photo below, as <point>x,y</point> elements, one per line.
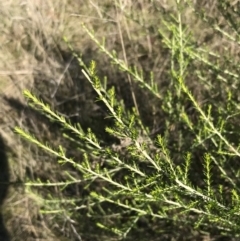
<point>34,56</point>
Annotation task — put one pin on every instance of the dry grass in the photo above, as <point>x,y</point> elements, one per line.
<point>33,55</point>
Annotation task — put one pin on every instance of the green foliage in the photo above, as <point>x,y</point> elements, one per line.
<point>183,177</point>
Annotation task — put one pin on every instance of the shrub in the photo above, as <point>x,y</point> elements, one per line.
<point>183,174</point>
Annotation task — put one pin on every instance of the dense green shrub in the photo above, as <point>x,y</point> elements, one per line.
<point>183,174</point>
